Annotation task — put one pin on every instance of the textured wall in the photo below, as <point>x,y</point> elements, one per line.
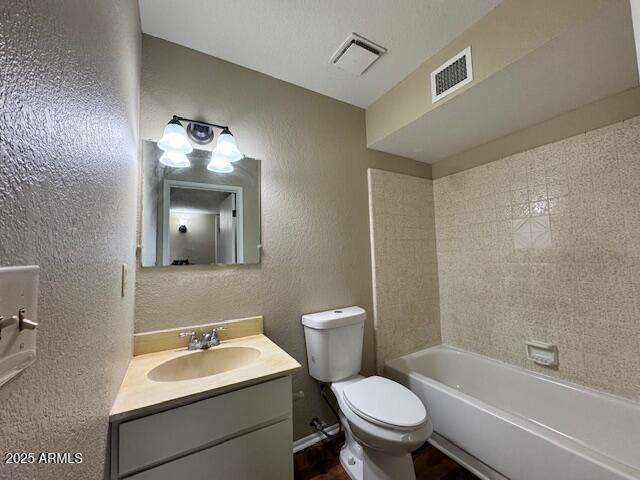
<point>314,205</point>
<point>405,272</point>
<point>573,279</point>
<point>68,160</point>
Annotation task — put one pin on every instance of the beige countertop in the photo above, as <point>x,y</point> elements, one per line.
<point>139,395</point>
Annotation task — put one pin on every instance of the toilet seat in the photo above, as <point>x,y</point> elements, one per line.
<point>374,434</point>
<point>385,403</point>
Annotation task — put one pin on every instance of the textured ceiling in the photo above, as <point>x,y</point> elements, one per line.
<point>293,39</point>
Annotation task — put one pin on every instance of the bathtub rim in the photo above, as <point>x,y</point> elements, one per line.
<point>531,426</point>
<point>526,371</point>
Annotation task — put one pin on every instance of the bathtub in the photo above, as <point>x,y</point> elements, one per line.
<point>503,421</point>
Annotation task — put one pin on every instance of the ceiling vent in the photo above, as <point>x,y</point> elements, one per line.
<point>357,54</point>
<point>452,75</point>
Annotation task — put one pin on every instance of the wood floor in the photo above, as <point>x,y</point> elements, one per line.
<point>321,462</point>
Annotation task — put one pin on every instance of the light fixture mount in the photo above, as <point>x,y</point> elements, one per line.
<point>200,133</point>
<point>178,119</point>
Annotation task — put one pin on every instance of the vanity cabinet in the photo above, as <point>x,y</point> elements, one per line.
<point>261,454</point>
<point>242,434</point>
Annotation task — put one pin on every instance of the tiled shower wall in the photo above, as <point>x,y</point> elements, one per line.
<point>405,273</point>
<point>545,245</point>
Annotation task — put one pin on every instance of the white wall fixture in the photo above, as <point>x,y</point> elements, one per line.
<point>18,319</point>
<point>356,54</point>
<point>226,148</point>
<point>217,165</point>
<point>541,353</point>
<point>455,73</point>
<point>175,143</point>
<point>174,138</point>
<point>175,160</point>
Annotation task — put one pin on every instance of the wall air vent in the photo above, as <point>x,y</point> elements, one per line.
<point>356,54</point>
<point>453,74</point>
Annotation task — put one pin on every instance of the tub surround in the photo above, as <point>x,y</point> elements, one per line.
<point>578,287</point>
<point>404,268</point>
<point>139,395</point>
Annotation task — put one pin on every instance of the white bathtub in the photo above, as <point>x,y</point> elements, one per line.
<point>506,421</point>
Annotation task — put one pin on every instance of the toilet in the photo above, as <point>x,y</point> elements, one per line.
<point>383,421</point>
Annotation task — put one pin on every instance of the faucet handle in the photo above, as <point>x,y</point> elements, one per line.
<point>214,339</point>
<point>194,342</point>
<point>214,332</point>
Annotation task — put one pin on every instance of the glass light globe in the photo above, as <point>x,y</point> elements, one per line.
<point>226,147</point>
<point>175,139</point>
<point>219,165</point>
<point>174,159</point>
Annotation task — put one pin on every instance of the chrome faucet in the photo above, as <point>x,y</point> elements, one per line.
<point>207,340</point>
<point>211,339</point>
<point>194,342</point>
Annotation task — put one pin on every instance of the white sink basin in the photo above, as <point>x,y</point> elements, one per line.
<point>203,364</point>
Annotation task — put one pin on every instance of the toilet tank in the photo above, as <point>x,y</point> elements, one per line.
<point>334,343</point>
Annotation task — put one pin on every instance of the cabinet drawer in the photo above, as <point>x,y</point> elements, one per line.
<point>148,440</point>
<point>264,454</point>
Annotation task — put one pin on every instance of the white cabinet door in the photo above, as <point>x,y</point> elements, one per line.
<point>152,439</point>
<point>264,454</point>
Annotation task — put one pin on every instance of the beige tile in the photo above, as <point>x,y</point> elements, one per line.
<point>403,237</point>
<point>581,292</point>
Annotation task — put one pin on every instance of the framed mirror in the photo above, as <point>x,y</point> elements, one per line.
<point>193,216</point>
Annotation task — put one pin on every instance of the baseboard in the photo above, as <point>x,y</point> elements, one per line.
<point>312,439</point>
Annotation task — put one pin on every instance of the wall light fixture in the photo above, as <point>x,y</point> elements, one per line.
<point>176,144</point>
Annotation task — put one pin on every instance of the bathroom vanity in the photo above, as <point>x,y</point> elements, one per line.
<point>224,412</point>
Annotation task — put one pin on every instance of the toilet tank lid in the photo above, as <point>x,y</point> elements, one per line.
<point>340,317</point>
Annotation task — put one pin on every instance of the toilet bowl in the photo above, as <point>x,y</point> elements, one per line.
<point>383,421</point>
